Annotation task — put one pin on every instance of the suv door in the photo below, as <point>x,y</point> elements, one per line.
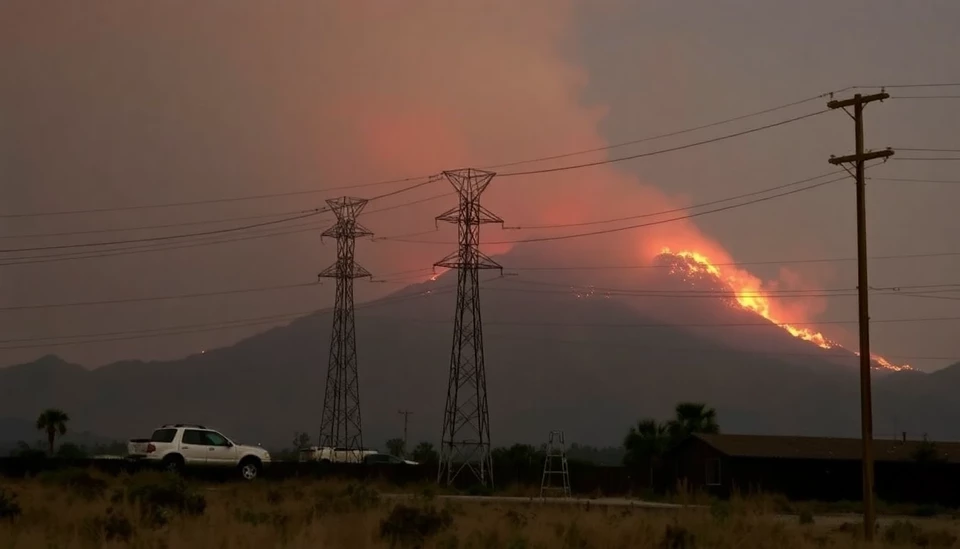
<point>194,447</point>
<point>221,451</point>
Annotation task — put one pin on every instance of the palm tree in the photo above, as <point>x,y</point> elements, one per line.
<point>645,445</point>
<point>53,421</point>
<point>693,417</point>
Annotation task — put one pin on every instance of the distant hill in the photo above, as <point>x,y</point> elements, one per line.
<point>590,365</point>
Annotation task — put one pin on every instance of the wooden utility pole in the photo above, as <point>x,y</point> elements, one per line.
<point>406,418</point>
<point>866,406</point>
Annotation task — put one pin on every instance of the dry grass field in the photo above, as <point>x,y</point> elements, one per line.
<point>78,509</point>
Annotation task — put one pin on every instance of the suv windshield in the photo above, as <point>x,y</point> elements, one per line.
<point>163,435</point>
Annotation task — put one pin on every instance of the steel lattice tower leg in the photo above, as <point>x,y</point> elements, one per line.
<point>340,423</point>
<point>465,443</point>
<point>556,449</point>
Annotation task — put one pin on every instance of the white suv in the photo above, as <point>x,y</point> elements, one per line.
<point>176,446</point>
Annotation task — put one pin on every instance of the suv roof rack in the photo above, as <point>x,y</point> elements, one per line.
<point>194,425</point>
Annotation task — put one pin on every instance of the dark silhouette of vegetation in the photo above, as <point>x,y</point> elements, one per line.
<point>692,418</point>
<point>927,452</point>
<point>396,446</point>
<point>53,421</point>
<point>646,443</point>
<point>408,526</point>
<point>9,508</point>
<point>300,440</point>
<point>69,450</point>
<point>519,457</point>
<point>25,451</point>
<point>610,455</point>
<point>649,440</point>
<point>114,527</point>
<point>77,481</point>
<point>425,453</point>
<point>161,498</point>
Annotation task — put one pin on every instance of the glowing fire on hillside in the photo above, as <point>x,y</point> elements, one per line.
<point>747,292</point>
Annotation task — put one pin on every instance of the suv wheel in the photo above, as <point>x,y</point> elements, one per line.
<point>250,469</point>
<point>172,464</point>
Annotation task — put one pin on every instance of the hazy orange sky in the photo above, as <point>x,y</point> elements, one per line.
<point>115,103</point>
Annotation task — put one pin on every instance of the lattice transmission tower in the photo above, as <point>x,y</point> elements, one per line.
<point>340,422</point>
<point>554,465</point>
<point>465,443</point>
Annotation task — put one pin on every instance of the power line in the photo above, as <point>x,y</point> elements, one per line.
<point>674,210</point>
<point>662,151</point>
<point>769,324</point>
<point>730,350</point>
<point>166,237</point>
<point>155,298</point>
<point>405,204</point>
<point>739,263</point>
<point>733,293</point>
<point>159,247</point>
<point>152,227</point>
<point>433,176</point>
<point>660,136</point>
<point>190,328</point>
<point>219,200</point>
<point>192,295</point>
<point>641,225</point>
<point>932,158</point>
<point>926,97</point>
<point>308,213</point>
<point>926,150</point>
<point>148,248</point>
<point>429,178</point>
<point>905,180</point>
<point>924,85</point>
<point>670,220</point>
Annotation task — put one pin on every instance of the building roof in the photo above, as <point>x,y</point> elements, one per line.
<point>822,447</point>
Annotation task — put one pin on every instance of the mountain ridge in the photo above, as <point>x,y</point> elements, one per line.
<point>589,365</point>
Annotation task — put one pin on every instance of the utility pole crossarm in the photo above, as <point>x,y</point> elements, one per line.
<point>872,155</point>
<point>861,99</point>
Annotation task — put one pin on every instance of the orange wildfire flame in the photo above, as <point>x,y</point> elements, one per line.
<point>749,295</point>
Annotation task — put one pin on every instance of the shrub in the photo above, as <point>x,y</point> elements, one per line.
<point>853,529</point>
<point>274,496</point>
<point>573,538</point>
<point>77,481</point>
<point>112,527</point>
<point>480,490</point>
<point>806,517</point>
<point>159,500</point>
<point>677,537</point>
<point>355,497</point>
<point>518,542</point>
<point>9,508</point>
<point>515,518</point>
<point>276,519</point>
<point>901,532</point>
<point>720,510</point>
<point>926,511</point>
<point>408,526</point>
<point>904,532</point>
